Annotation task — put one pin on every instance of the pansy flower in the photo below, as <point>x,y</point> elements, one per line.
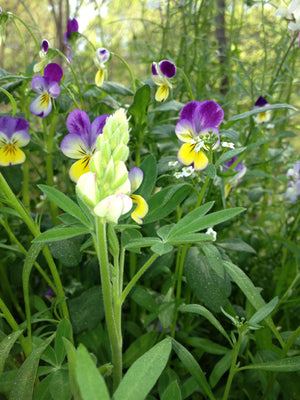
<point>161,75</point>
<point>101,57</point>
<point>292,14</point>
<point>72,26</point>
<point>293,185</point>
<point>47,87</point>
<point>80,143</point>
<point>262,117</point>
<point>197,128</point>
<point>239,171</point>
<point>135,176</point>
<point>43,56</point>
<point>13,135</point>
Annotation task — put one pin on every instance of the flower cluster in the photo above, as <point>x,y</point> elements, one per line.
<point>293,185</point>
<point>108,189</point>
<point>197,128</point>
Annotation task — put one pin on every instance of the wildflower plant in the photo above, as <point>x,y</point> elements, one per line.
<point>163,261</point>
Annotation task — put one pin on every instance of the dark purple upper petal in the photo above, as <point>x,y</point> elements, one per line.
<point>260,102</point>
<point>72,26</point>
<point>188,110</point>
<point>167,68</point>
<point>208,114</point>
<point>97,127</point>
<point>78,122</point>
<point>229,163</point>
<point>9,125</point>
<point>53,72</point>
<point>45,46</point>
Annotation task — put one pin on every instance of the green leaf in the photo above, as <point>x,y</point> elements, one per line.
<point>161,248</point>
<point>60,385</point>
<point>68,251</point>
<point>258,110</point>
<point>5,347</point>
<point>143,242</point>
<point>201,222</point>
<point>24,382</point>
<point>236,244</point>
<point>136,349</point>
<point>251,292</point>
<point>144,299</point>
<point>193,367</point>
<point>57,234</point>
<point>214,258</point>
<point>165,201</point>
<point>263,312</point>
<point>209,287</point>
<point>171,105</point>
<point>210,171</point>
<point>115,88</point>
<point>204,312</point>
<point>140,104</point>
<point>220,368</point>
<point>172,392</point>
<point>91,383</point>
<point>206,345</point>
<point>149,168</point>
<point>64,330</point>
<point>72,355</point>
<point>65,203</point>
<point>285,365</point>
<point>229,155</point>
<point>142,375</point>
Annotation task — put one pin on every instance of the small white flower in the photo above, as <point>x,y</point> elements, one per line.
<point>212,233</point>
<point>172,163</point>
<point>178,175</point>
<point>228,144</point>
<point>187,171</point>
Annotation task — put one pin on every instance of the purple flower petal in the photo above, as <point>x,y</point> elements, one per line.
<point>167,68</point>
<point>261,102</point>
<point>39,84</point>
<point>154,69</point>
<point>208,114</point>
<point>10,125</point>
<point>20,138</point>
<point>78,122</point>
<point>97,127</point>
<point>75,146</point>
<point>53,72</point>
<point>54,89</point>
<point>102,54</point>
<point>188,110</point>
<point>184,130</point>
<point>45,46</point>
<point>135,176</point>
<point>72,26</point>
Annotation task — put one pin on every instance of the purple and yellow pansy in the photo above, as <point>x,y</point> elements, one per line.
<point>101,57</point>
<point>80,143</point>
<point>161,75</point>
<point>264,116</point>
<point>238,170</point>
<point>135,176</point>
<point>13,135</point>
<point>197,128</point>
<point>48,88</point>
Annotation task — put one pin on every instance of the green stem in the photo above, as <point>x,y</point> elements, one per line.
<point>75,77</point>
<point>187,82</point>
<point>23,43</point>
<point>233,368</point>
<point>27,27</point>
<point>128,69</point>
<point>25,186</point>
<point>202,193</point>
<point>49,142</point>
<point>12,101</point>
<point>5,284</point>
<point>15,327</point>
<point>137,276</point>
<point>100,242</point>
<point>15,203</point>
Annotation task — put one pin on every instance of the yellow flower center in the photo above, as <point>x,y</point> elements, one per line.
<point>45,98</point>
<point>9,149</point>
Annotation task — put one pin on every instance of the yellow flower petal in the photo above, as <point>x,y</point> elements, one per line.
<point>11,155</point>
<point>79,168</point>
<point>188,156</point>
<point>162,92</point>
<point>99,78</point>
<point>141,209</point>
<point>227,189</point>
